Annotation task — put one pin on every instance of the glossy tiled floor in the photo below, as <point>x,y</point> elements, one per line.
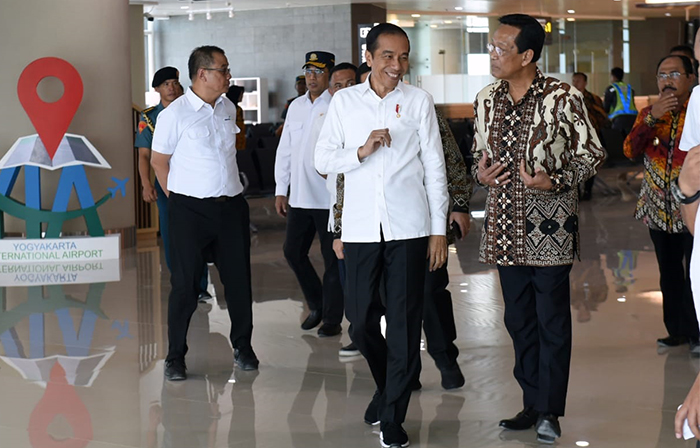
<point>82,364</point>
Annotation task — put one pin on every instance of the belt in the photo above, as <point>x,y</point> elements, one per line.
<point>220,199</point>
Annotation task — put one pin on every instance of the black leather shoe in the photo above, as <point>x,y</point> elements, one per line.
<point>548,429</point>
<point>312,320</point>
<point>392,435</point>
<point>246,359</point>
<point>452,377</point>
<point>175,370</point>
<point>672,341</point>
<point>204,296</point>
<point>328,330</point>
<point>525,419</point>
<point>372,412</point>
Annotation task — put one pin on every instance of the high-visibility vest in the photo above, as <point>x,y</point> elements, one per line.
<point>625,102</point>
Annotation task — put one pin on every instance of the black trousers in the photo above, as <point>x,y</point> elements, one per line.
<point>538,319</point>
<point>222,230</point>
<point>302,225</point>
<point>394,361</point>
<point>673,254</point>
<point>439,319</point>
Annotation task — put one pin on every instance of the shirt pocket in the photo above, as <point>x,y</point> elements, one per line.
<point>230,130</point>
<point>199,134</point>
<point>295,130</point>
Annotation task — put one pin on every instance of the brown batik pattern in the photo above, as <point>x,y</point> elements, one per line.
<point>549,129</point>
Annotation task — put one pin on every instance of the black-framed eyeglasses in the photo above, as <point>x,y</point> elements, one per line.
<point>312,70</point>
<point>673,75</point>
<point>223,71</point>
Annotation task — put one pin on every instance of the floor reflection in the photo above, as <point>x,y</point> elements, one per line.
<point>82,364</point>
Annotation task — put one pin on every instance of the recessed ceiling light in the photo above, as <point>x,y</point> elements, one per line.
<point>184,7</point>
<point>668,14</point>
<point>458,8</point>
<point>571,11</point>
<point>570,19</point>
<point>415,15</point>
<point>433,26</point>
<point>448,21</point>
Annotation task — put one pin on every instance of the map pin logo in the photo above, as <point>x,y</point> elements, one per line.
<point>51,120</point>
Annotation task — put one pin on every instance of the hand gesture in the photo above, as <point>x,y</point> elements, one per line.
<point>376,140</point>
<point>667,102</point>
<point>491,175</point>
<point>540,181</point>
<point>281,203</point>
<point>149,193</point>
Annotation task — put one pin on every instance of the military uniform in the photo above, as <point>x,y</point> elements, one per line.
<point>144,139</point>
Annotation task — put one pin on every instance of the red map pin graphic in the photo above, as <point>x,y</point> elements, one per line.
<point>60,398</point>
<point>51,120</point>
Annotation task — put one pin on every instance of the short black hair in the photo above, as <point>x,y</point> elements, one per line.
<point>234,93</point>
<point>361,70</point>
<point>383,28</point>
<point>343,66</point>
<point>618,73</point>
<point>585,77</point>
<point>687,63</point>
<point>202,57</point>
<point>687,49</point>
<point>531,35</point>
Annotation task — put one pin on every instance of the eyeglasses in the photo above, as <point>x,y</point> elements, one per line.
<point>223,71</point>
<point>312,70</point>
<point>491,48</point>
<point>673,75</point>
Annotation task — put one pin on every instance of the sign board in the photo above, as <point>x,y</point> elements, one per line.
<point>55,250</point>
<point>362,31</point>
<point>546,23</point>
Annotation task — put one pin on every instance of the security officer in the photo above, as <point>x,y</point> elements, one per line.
<point>619,102</point>
<point>302,198</point>
<point>166,83</point>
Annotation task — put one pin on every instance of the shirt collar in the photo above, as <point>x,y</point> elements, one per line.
<point>536,88</point>
<point>325,96</point>
<point>159,107</point>
<point>196,102</point>
<point>366,87</point>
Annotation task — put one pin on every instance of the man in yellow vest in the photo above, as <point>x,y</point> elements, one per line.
<point>619,102</point>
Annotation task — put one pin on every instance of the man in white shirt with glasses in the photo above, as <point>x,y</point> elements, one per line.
<point>383,135</point>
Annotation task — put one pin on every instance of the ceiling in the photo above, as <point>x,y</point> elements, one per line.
<point>584,9</point>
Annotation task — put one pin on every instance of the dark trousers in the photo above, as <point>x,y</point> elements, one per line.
<point>538,319</point>
<point>302,225</point>
<point>673,254</point>
<point>439,319</point>
<point>222,230</point>
<point>394,361</point>
<point>162,203</point>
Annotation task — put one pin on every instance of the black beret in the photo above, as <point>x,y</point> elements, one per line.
<point>163,75</point>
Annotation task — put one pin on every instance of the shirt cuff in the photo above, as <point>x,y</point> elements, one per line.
<point>281,190</point>
<point>558,184</point>
<point>438,226</point>
<point>460,209</point>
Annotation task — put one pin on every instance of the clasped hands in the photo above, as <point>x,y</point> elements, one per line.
<point>493,175</point>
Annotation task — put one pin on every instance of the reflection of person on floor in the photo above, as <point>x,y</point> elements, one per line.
<point>656,135</point>
<point>622,265</point>
<point>588,287</point>
<point>383,135</point>
<point>687,191</point>
<point>533,145</point>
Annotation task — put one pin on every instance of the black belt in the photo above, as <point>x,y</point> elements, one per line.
<point>221,199</point>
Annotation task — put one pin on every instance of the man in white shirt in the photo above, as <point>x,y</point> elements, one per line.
<point>194,158</point>
<point>306,208</point>
<point>383,135</point>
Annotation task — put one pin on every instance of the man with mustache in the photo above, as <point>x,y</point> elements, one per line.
<point>656,135</point>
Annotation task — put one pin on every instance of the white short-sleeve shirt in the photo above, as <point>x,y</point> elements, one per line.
<point>202,142</point>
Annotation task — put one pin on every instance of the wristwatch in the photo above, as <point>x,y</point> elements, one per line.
<point>680,197</point>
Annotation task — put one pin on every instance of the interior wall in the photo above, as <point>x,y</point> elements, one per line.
<point>269,44</point>
<point>138,56</point>
<point>94,37</point>
<point>647,48</point>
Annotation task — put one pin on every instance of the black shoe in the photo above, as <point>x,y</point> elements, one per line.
<point>349,350</point>
<point>246,359</point>
<point>204,296</point>
<point>312,320</point>
<point>372,412</point>
<point>175,370</point>
<point>328,330</point>
<point>452,377</point>
<point>392,435</point>
<point>525,419</point>
<point>548,429</point>
<point>672,341</point>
